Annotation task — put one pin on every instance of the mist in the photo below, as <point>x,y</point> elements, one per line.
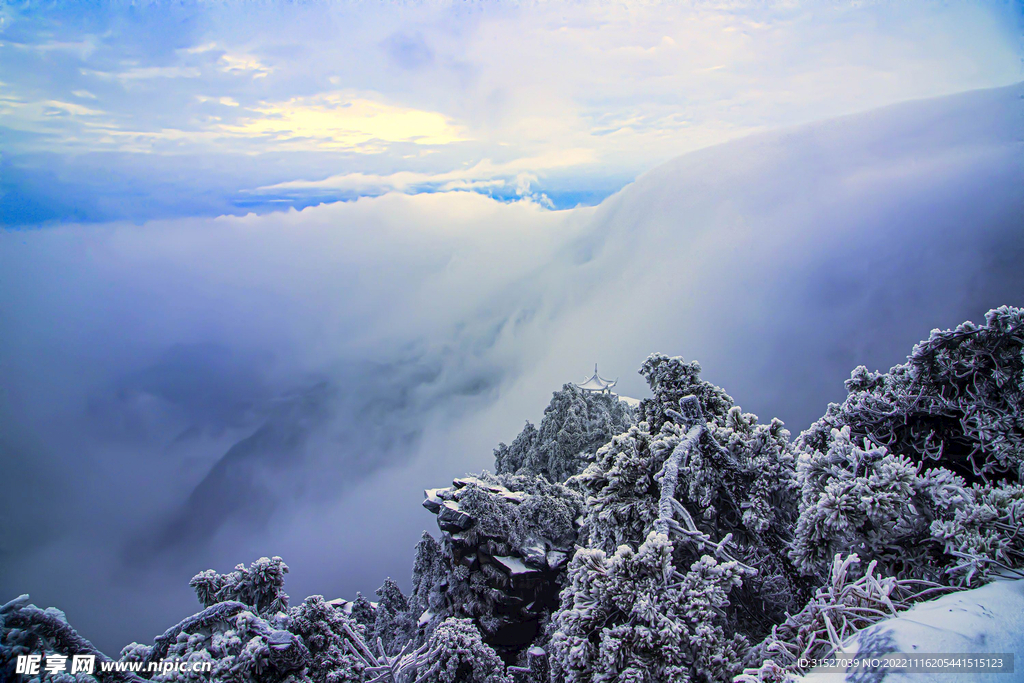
<point>193,393</point>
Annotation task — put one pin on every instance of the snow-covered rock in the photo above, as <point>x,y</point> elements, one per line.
<point>514,566</point>
<point>432,500</point>
<point>451,518</point>
<point>501,558</point>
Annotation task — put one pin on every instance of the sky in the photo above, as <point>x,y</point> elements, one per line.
<point>150,110</point>
<point>268,271</point>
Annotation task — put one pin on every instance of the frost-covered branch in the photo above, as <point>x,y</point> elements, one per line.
<point>668,505</point>
<point>219,612</point>
<point>843,606</point>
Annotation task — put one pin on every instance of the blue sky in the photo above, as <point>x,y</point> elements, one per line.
<point>134,111</point>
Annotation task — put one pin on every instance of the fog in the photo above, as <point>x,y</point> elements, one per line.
<point>194,393</point>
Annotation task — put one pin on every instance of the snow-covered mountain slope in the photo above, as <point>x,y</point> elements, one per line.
<point>983,621</point>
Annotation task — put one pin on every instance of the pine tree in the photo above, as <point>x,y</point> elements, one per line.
<point>920,468</point>
<point>260,586</point>
<point>686,528</point>
<point>575,424</point>
<point>393,625</point>
<point>457,654</point>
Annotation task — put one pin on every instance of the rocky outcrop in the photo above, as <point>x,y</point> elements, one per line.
<point>502,555</point>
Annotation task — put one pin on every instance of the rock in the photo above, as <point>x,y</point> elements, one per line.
<point>433,501</point>
<point>509,588</point>
<point>514,496</point>
<point>468,481</point>
<point>279,640</point>
<point>451,518</point>
<point>464,483</point>
<point>534,554</point>
<point>460,540</point>
<point>556,559</point>
<point>514,566</point>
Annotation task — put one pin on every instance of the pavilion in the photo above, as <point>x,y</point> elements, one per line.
<point>598,384</point>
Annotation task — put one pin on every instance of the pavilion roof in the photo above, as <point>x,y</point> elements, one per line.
<point>597,383</point>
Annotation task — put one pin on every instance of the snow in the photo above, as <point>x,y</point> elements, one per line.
<point>346,605</point>
<point>514,565</point>
<point>556,558</point>
<point>476,481</point>
<point>432,501</point>
<point>630,401</point>
<point>515,496</point>
<point>982,621</point>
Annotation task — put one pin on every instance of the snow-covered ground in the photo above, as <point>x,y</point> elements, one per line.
<point>983,621</point>
<point>630,401</point>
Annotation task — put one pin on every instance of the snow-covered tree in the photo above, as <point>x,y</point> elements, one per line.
<point>671,379</point>
<point>457,654</point>
<point>430,572</point>
<point>325,632</point>
<point>632,616</point>
<point>575,424</point>
<point>394,625</point>
<point>984,536</point>
<point>864,499</point>
<point>260,586</point>
<point>363,611</point>
<point>957,403</point>
<point>736,481</point>
<point>689,519</point>
<point>919,468</point>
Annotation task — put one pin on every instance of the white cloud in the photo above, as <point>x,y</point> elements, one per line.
<point>340,120</point>
<point>484,174</point>
<point>242,63</point>
<point>146,73</point>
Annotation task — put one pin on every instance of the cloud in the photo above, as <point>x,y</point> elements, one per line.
<point>147,73</point>
<point>230,62</point>
<point>244,64</point>
<point>226,101</point>
<point>484,174</point>
<point>80,48</point>
<point>338,120</point>
<point>69,108</point>
<point>349,364</point>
